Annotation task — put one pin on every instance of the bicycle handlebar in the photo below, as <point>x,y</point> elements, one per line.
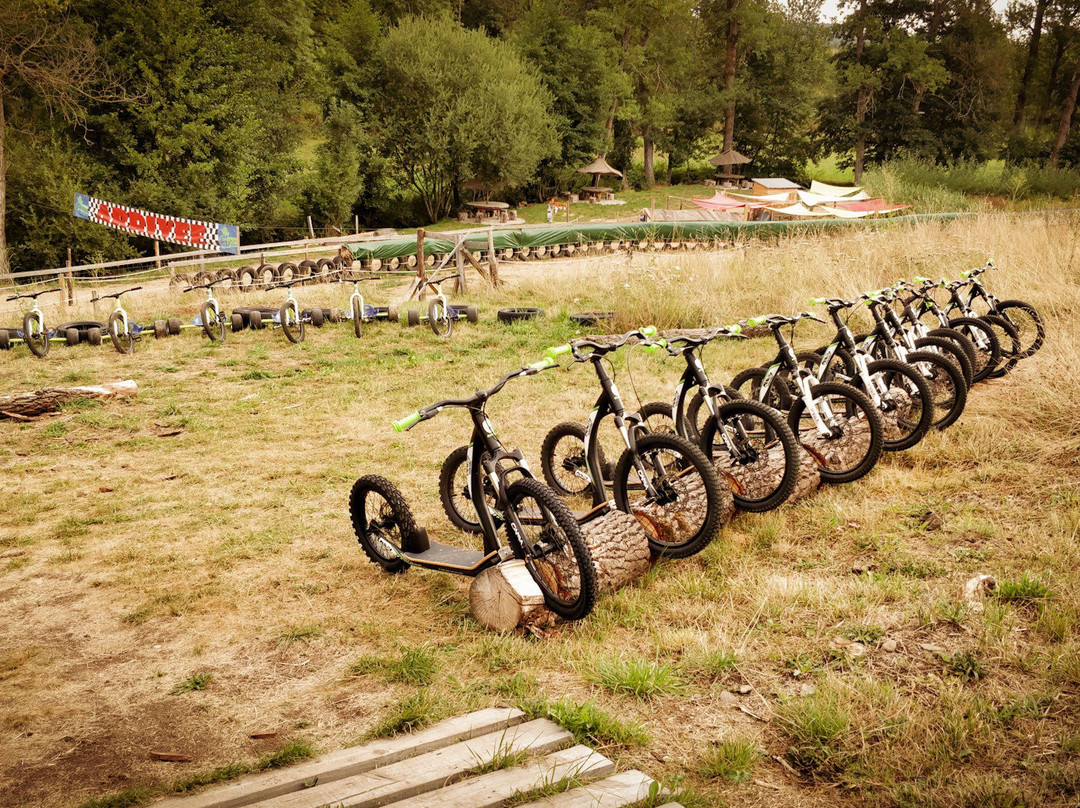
<point>36,294</point>
<point>285,284</point>
<point>645,334</point>
<point>411,420</point>
<point>206,285</point>
<point>117,294</point>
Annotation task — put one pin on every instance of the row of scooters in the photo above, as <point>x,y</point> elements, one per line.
<point>124,333</point>
<point>842,405</point>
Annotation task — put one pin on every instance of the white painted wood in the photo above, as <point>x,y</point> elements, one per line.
<point>408,778</point>
<point>625,788</point>
<point>494,789</point>
<point>351,761</point>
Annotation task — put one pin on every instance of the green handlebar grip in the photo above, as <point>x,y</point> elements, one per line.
<point>543,364</point>
<point>965,273</point>
<point>406,422</point>
<point>816,301</point>
<point>920,279</point>
<point>651,347</point>
<point>753,322</point>
<point>735,328</point>
<point>649,330</point>
<point>558,350</point>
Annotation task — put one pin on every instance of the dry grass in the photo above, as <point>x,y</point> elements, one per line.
<point>134,561</point>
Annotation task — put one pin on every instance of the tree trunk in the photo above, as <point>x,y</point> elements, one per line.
<point>1051,82</point>
<point>650,177</point>
<point>1029,65</point>
<point>26,406</point>
<point>1068,107</point>
<point>5,267</point>
<point>731,61</point>
<point>860,103</point>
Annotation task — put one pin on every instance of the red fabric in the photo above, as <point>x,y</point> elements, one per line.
<point>719,201</point>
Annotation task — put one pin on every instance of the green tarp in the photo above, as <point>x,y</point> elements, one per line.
<point>531,237</point>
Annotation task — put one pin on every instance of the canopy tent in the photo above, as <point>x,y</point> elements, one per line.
<point>810,199</point>
<point>833,190</point>
<point>598,168</point>
<point>763,198</point>
<point>841,213</point>
<point>878,206</point>
<point>719,201</point>
<point>798,210</point>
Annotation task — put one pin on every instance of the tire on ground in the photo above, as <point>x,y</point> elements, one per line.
<point>523,313</point>
<point>414,317</point>
<point>160,329</point>
<point>93,335</point>
<point>173,324</point>
<point>236,321</point>
<point>71,335</point>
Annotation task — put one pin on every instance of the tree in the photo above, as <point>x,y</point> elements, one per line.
<point>578,64</point>
<point>1035,37</point>
<point>46,55</point>
<point>455,105</point>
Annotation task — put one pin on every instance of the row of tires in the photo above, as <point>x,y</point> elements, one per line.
<point>323,270</point>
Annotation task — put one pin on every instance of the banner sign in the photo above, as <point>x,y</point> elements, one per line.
<point>209,236</point>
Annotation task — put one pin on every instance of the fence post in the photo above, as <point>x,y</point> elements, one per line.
<point>310,227</point>
<point>356,225</point>
<point>493,261</point>
<point>69,283</point>
<point>460,287</point>
<point>421,267</point>
<point>157,254</point>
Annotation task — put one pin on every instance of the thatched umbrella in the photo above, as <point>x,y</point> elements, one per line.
<point>599,167</point>
<point>729,159</point>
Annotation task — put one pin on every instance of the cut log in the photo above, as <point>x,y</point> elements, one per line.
<point>506,597</point>
<point>619,548</point>
<point>50,399</point>
<point>666,525</point>
<point>761,477</point>
<point>842,452</point>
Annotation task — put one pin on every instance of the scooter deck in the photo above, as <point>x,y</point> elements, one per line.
<point>453,559</point>
<point>532,516</point>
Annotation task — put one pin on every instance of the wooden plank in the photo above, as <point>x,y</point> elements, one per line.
<point>494,789</point>
<point>418,775</point>
<point>625,788</point>
<point>351,761</point>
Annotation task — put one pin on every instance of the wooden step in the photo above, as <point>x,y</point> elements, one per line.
<point>418,775</point>
<point>625,788</point>
<point>494,789</point>
<point>352,761</point>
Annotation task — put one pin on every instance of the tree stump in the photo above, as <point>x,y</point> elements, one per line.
<point>619,548</point>
<point>759,478</point>
<point>505,597</point>
<point>26,406</point>
<point>842,452</point>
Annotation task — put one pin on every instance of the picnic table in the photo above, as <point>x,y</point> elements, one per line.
<point>594,193</point>
<point>488,212</point>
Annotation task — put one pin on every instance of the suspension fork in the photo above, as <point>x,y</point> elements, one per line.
<point>481,471</point>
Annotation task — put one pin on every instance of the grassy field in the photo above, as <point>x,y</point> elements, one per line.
<point>178,571</point>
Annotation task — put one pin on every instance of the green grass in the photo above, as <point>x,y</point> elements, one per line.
<point>1025,589</point>
<point>227,543</point>
<point>965,666</point>
<point>293,752</point>
<point>643,678</point>
<point>197,681</point>
<point>592,725</point>
<point>412,712</point>
<point>732,759</point>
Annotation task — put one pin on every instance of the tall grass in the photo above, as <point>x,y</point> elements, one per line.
<point>969,185</point>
